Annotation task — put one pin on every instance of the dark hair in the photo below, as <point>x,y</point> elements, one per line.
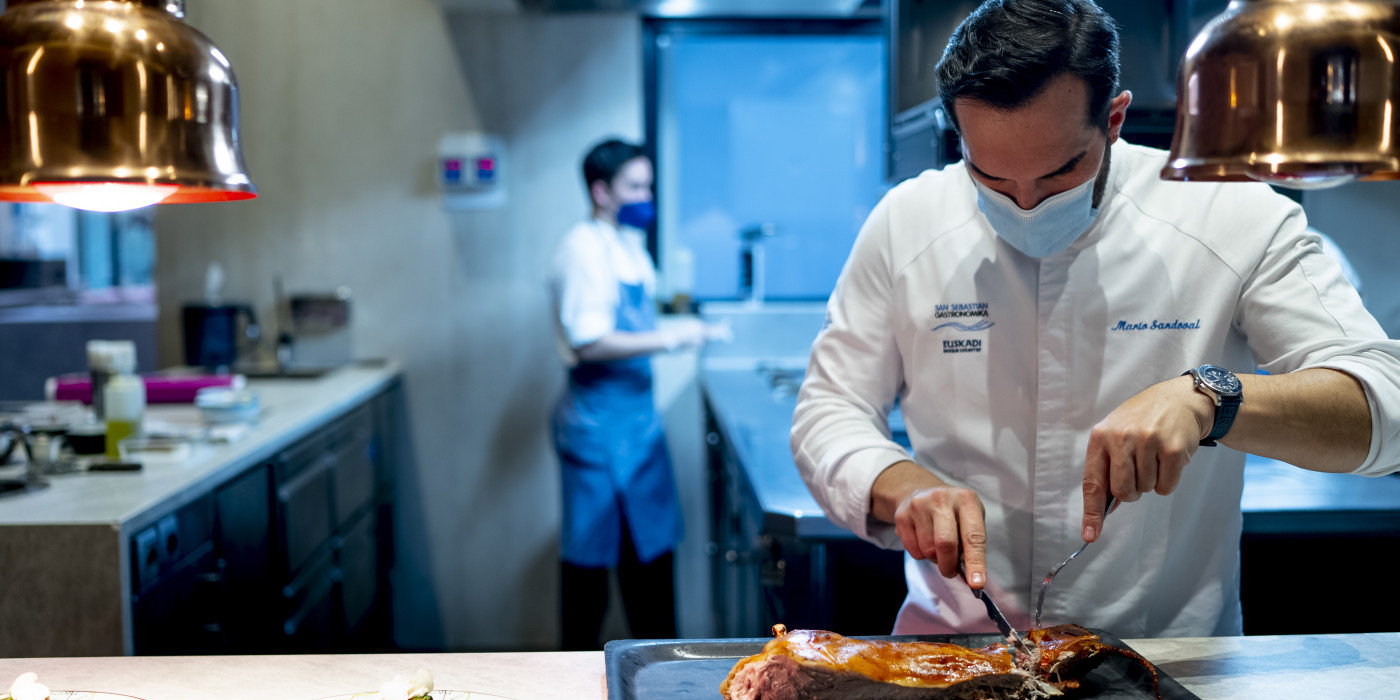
<point>1007,51</point>
<point>605,159</point>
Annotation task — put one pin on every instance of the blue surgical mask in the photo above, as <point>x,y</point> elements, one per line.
<point>638,215</point>
<point>1052,226</point>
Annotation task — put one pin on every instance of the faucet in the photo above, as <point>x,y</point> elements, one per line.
<point>751,261</point>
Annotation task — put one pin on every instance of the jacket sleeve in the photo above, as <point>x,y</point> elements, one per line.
<point>840,438</point>
<point>585,289</point>
<point>1298,312</point>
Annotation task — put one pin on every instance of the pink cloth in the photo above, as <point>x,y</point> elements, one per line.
<point>159,388</point>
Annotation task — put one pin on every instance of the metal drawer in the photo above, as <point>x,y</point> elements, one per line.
<point>304,511</point>
<point>354,477</point>
<point>359,565</point>
<point>312,624</point>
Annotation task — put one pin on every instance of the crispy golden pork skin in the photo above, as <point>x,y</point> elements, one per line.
<point>815,665</point>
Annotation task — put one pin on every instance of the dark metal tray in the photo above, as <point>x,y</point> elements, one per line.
<point>693,668</point>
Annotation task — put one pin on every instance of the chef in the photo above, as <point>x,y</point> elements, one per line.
<point>1059,324</point>
<point>620,504</point>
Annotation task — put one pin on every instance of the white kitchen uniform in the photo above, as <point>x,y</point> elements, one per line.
<point>1003,363</point>
<point>592,259</point>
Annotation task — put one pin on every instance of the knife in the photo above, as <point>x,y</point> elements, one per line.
<point>996,616</point>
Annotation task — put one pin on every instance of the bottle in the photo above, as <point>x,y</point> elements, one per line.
<point>124,398</point>
<point>100,369</point>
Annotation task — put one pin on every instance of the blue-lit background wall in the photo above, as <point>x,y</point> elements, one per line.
<point>777,129</point>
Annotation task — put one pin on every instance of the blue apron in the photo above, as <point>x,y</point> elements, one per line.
<point>613,454</point>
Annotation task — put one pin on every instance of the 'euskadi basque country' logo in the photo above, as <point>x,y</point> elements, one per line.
<point>956,345</point>
<point>978,318</point>
<point>1156,325</point>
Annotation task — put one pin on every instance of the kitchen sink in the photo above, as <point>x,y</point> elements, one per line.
<point>783,382</point>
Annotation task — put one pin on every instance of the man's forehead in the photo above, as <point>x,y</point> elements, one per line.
<point>1015,144</point>
<point>1052,125</point>
<point>1049,139</point>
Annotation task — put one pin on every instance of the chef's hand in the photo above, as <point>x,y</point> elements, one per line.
<point>934,520</point>
<point>1143,446</point>
<point>690,333</point>
<point>720,332</point>
<point>684,334</point>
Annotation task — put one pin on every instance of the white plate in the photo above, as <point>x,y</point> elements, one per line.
<point>435,695</point>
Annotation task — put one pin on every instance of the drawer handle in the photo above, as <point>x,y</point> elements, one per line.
<point>291,486</point>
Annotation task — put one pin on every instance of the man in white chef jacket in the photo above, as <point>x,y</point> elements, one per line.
<point>1034,310</point>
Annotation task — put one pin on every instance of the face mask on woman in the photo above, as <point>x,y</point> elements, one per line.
<point>638,215</point>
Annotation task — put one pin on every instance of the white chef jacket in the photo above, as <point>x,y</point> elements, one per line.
<point>1003,363</point>
<point>592,259</point>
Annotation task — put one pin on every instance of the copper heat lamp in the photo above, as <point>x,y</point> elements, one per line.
<point>1298,93</point>
<point>115,104</point>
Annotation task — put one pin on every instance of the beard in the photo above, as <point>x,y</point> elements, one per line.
<point>1101,180</point>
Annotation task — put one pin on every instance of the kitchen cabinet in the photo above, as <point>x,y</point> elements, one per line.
<point>243,530</point>
<point>177,579</point>
<point>283,557</point>
<point>1298,524</point>
<point>278,542</point>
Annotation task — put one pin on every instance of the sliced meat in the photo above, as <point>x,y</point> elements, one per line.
<point>816,665</point>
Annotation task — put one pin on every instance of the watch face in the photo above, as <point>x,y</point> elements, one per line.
<point>1222,380</point>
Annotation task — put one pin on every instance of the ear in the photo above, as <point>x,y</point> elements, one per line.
<point>599,192</point>
<point>1117,112</point>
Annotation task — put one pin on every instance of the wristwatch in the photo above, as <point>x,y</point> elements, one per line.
<point>1224,388</point>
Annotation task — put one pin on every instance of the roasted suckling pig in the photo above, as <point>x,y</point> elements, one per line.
<point>814,665</point>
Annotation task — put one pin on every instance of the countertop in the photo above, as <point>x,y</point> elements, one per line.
<point>754,411</point>
<point>755,420</point>
<point>1216,668</point>
<point>291,408</point>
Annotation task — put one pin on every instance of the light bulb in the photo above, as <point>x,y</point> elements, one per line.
<point>105,196</point>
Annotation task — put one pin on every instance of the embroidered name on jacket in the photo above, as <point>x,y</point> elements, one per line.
<point>1156,325</point>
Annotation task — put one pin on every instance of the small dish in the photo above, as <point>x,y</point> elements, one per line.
<point>225,405</point>
<point>135,449</point>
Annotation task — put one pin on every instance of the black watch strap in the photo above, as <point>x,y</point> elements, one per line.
<point>1224,389</point>
<point>1224,418</point>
